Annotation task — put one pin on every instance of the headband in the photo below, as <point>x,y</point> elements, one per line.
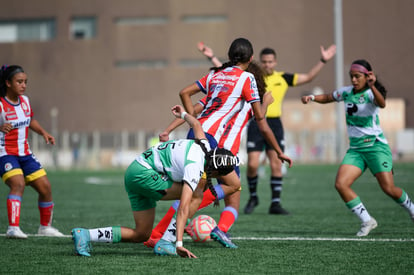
<point>359,68</point>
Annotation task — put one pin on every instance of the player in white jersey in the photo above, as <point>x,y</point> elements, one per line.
<point>368,146</point>
<point>168,171</point>
<point>18,165</point>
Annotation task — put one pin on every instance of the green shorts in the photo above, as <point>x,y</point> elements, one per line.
<point>144,186</point>
<point>377,158</point>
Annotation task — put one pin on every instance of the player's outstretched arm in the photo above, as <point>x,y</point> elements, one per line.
<point>326,55</point>
<point>208,52</point>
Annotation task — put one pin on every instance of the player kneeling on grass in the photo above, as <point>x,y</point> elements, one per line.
<point>168,171</point>
<point>368,145</point>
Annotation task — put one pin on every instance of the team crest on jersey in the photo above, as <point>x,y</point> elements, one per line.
<point>361,99</point>
<point>25,108</point>
<point>8,166</point>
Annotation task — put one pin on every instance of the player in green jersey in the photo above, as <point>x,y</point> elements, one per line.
<point>368,145</point>
<point>176,169</point>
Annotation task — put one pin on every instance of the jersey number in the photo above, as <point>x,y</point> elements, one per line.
<point>162,146</point>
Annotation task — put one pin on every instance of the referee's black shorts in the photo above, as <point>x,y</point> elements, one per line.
<point>255,140</point>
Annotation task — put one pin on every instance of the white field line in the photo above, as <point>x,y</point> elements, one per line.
<point>286,239</point>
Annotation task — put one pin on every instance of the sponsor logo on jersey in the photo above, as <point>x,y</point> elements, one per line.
<point>22,124</point>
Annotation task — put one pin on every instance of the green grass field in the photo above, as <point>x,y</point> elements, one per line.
<point>317,238</point>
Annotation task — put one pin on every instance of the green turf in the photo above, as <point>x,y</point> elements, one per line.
<point>95,199</point>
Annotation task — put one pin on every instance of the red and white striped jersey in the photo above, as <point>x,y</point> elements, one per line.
<point>229,91</point>
<point>19,115</point>
<point>234,129</point>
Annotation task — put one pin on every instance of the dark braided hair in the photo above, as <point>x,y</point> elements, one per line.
<point>377,84</point>
<point>6,74</point>
<point>223,168</point>
<point>240,51</point>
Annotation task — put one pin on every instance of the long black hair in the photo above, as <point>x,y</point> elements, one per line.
<point>240,51</point>
<point>218,159</point>
<point>257,71</point>
<point>377,84</point>
<point>6,74</point>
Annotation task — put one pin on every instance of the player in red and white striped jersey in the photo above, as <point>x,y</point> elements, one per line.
<point>18,165</point>
<point>230,91</point>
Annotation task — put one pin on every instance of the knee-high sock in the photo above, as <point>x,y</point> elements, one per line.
<point>46,212</point>
<point>227,218</point>
<point>13,209</point>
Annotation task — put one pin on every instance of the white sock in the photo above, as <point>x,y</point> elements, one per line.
<point>102,235</point>
<point>408,204</point>
<point>361,212</point>
<point>169,234</point>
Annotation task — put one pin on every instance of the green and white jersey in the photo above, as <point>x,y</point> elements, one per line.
<point>361,117</point>
<point>179,160</point>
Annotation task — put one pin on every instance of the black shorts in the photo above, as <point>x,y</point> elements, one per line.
<point>255,140</point>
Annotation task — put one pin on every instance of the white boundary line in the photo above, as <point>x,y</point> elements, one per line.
<point>285,239</point>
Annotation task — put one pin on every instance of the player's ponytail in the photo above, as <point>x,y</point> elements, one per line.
<point>240,51</point>
<point>208,173</point>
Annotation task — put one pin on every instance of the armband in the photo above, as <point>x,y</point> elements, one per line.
<point>179,244</point>
<point>183,115</point>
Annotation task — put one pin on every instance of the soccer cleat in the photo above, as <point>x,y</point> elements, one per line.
<point>151,242</point>
<point>277,209</point>
<point>164,248</point>
<point>14,232</point>
<point>251,204</point>
<point>82,242</point>
<point>223,238</point>
<point>366,227</point>
<point>49,231</point>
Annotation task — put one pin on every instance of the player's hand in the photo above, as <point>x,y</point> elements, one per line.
<point>49,138</point>
<point>371,78</point>
<point>6,127</point>
<point>164,136</point>
<point>328,53</point>
<point>185,253</point>
<point>285,158</point>
<point>207,51</point>
<point>177,110</point>
<point>305,99</point>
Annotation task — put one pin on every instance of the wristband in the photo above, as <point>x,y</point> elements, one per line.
<point>210,58</point>
<point>323,60</point>
<point>179,244</point>
<point>183,114</point>
<point>312,97</point>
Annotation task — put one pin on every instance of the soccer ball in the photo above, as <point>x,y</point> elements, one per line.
<point>201,227</point>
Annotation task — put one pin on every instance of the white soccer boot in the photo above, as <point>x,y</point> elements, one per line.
<point>366,227</point>
<point>14,232</point>
<point>49,231</point>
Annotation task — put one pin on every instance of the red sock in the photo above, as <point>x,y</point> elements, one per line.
<point>208,198</point>
<point>160,228</point>
<point>46,213</point>
<point>227,219</point>
<point>13,209</point>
